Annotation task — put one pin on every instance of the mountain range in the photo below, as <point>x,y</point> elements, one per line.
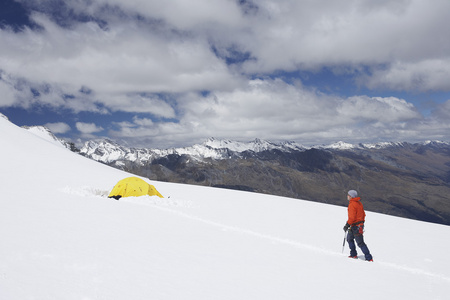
<point>397,178</point>
<point>63,238</point>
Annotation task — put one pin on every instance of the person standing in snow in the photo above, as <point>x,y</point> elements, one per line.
<point>355,226</point>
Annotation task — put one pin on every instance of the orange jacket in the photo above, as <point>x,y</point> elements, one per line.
<point>355,211</point>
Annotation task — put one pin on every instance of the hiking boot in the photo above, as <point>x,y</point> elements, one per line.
<point>353,256</point>
<point>369,260</point>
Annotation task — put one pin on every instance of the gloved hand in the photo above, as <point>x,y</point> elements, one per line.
<point>346,227</point>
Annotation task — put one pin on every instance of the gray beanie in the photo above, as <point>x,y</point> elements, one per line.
<point>353,193</point>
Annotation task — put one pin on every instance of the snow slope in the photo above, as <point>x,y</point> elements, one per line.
<point>61,238</point>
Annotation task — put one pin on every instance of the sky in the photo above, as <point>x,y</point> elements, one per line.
<point>162,74</point>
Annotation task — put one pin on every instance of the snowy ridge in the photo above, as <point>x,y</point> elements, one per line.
<point>347,146</point>
<point>339,145</point>
<point>109,151</point>
<point>45,133</point>
<point>256,146</point>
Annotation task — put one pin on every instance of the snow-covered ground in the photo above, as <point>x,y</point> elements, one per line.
<point>62,238</point>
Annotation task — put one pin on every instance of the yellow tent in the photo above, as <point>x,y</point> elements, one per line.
<point>133,186</point>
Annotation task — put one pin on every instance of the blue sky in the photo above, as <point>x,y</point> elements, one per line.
<point>165,74</point>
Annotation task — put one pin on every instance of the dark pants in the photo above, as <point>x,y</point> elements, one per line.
<point>353,236</point>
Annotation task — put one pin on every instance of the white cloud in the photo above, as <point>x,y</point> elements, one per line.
<point>301,33</point>
<point>274,110</point>
<point>426,75</point>
<point>88,128</point>
<point>118,63</point>
<point>142,104</point>
<point>123,59</point>
<point>59,127</point>
<point>159,63</point>
<point>7,94</point>
<point>23,93</point>
<point>443,111</point>
<point>172,52</point>
<point>183,14</point>
<point>385,110</point>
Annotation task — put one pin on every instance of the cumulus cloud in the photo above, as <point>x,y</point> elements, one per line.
<point>378,109</point>
<point>277,111</point>
<point>7,94</point>
<point>186,69</point>
<point>443,111</point>
<point>125,58</point>
<point>290,34</point>
<point>118,63</point>
<point>59,127</point>
<point>152,104</point>
<point>425,75</point>
<point>88,128</point>
<point>186,14</point>
<point>170,50</point>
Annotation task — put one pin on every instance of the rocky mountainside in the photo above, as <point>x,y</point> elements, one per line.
<point>401,179</point>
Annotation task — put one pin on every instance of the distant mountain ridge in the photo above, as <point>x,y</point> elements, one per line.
<point>398,178</point>
<point>108,151</point>
<point>403,179</point>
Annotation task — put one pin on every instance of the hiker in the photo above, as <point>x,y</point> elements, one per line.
<point>355,226</point>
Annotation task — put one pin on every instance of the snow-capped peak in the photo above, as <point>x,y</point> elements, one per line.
<point>45,133</point>
<point>339,145</point>
<point>381,145</point>
<point>436,143</point>
<point>256,145</point>
<point>108,151</point>
<point>347,146</point>
<point>4,117</point>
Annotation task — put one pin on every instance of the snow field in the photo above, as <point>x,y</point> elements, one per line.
<point>61,238</point>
